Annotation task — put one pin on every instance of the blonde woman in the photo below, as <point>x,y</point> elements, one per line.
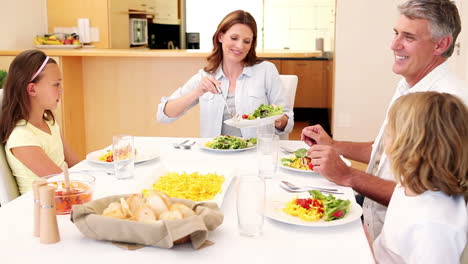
<point>426,142</point>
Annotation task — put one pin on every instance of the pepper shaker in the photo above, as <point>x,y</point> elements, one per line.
<point>48,226</point>
<point>37,207</point>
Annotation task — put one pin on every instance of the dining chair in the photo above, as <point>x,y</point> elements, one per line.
<point>290,85</point>
<point>8,187</point>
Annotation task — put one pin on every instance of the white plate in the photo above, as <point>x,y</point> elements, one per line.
<point>275,204</point>
<point>59,46</point>
<point>345,160</point>
<point>251,123</point>
<point>141,156</point>
<point>147,183</point>
<point>201,144</point>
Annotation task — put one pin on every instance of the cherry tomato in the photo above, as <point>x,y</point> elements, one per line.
<point>245,116</point>
<point>311,166</point>
<point>338,213</point>
<point>305,203</point>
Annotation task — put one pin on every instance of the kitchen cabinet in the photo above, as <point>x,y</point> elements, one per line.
<point>167,12</point>
<point>139,5</point>
<point>313,89</point>
<point>111,17</point>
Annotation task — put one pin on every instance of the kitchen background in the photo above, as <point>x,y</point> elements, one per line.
<point>363,80</point>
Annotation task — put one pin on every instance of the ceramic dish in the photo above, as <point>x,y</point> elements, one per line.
<point>251,123</point>
<point>346,161</point>
<point>201,143</point>
<point>147,183</point>
<point>141,156</point>
<point>274,209</point>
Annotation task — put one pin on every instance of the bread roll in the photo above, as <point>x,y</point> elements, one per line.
<point>183,209</point>
<point>135,201</point>
<point>125,209</point>
<point>157,204</point>
<point>145,214</point>
<point>163,195</point>
<point>114,210</point>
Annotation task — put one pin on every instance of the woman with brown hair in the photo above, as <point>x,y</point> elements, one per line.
<point>426,142</point>
<point>34,144</point>
<point>244,80</point>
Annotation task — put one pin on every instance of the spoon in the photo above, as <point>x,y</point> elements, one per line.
<point>293,188</point>
<point>66,177</point>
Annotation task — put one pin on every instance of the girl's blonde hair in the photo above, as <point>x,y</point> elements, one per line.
<point>428,149</point>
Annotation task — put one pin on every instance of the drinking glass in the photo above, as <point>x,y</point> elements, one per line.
<point>123,151</point>
<point>267,155</point>
<point>250,205</point>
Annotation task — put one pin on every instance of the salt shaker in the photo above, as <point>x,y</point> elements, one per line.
<point>48,226</point>
<point>37,207</point>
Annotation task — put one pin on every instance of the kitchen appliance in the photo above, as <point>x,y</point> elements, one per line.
<point>163,36</point>
<point>193,40</point>
<point>138,31</point>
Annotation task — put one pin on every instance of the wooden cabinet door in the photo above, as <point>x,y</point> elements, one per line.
<point>312,89</point>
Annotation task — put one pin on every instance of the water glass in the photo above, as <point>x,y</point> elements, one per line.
<point>267,155</point>
<point>123,151</point>
<point>265,128</point>
<point>250,205</point>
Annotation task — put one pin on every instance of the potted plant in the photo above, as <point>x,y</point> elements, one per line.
<point>3,75</point>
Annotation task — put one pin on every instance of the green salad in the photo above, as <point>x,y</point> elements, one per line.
<point>264,111</point>
<point>334,208</point>
<point>230,142</point>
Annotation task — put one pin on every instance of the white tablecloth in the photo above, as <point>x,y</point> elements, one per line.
<point>280,242</point>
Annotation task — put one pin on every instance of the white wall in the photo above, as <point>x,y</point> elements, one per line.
<point>203,16</point>
<point>364,81</point>
<point>21,21</point>
<point>296,24</point>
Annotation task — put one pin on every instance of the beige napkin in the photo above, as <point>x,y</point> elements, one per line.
<point>87,217</point>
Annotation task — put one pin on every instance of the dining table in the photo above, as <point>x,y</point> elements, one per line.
<point>280,242</point>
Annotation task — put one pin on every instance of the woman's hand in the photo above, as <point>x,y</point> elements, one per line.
<point>281,123</point>
<point>209,84</point>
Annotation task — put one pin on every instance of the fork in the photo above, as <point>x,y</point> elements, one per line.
<point>188,145</point>
<point>225,102</point>
<point>178,145</point>
<point>293,188</point>
<point>287,150</point>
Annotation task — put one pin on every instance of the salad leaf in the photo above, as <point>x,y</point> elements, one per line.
<point>334,208</point>
<point>265,111</point>
<point>230,142</point>
<point>286,161</point>
<point>300,152</point>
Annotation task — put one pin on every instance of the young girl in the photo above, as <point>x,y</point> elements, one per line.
<point>426,141</point>
<point>33,142</point>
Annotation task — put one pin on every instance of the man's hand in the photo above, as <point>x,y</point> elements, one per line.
<point>328,163</point>
<point>312,135</point>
